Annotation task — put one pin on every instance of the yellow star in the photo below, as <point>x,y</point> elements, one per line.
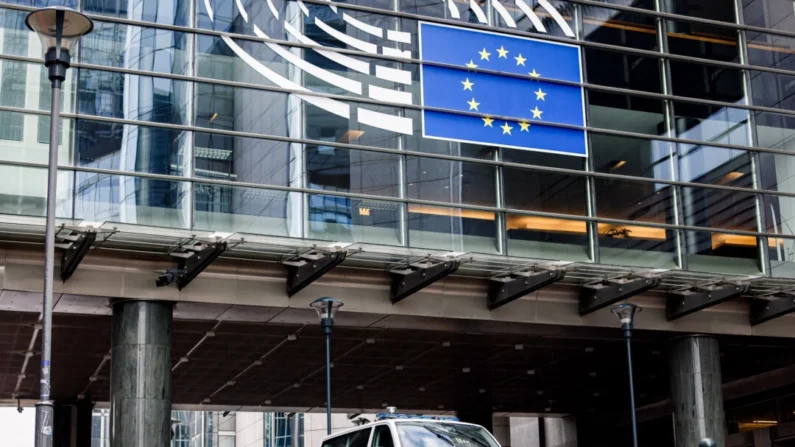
<point>536,113</point>
<point>503,52</point>
<point>484,54</point>
<point>471,64</point>
<point>533,74</point>
<point>540,95</point>
<point>473,105</point>
<point>506,129</point>
<point>487,121</point>
<point>525,126</point>
<point>520,60</point>
<point>468,85</point>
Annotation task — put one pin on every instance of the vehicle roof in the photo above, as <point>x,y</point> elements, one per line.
<point>391,422</point>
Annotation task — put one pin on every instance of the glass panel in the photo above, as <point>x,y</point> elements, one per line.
<point>715,165</point>
<point>453,229</point>
<point>15,34</point>
<point>614,27</point>
<point>706,82</point>
<point>702,41</point>
<point>717,208</point>
<point>775,131</point>
<point>772,90</point>
<point>637,201</point>
<point>29,148</point>
<point>23,192</point>
<point>547,238</point>
<point>542,159</point>
<point>638,246</point>
<point>773,14</point>
<point>215,60</point>
<point>133,200</point>
<point>631,156</point>
<point>720,125</point>
<point>249,160</point>
<point>230,108</point>
<point>780,219</point>
<point>345,219</point>
<point>770,50</point>
<point>777,172</point>
<point>135,47</point>
<point>145,98</point>
<point>722,10</point>
<point>225,16</point>
<point>543,191</point>
<point>168,12</point>
<point>334,169</point>
<point>450,181</point>
<point>625,112</point>
<point>722,253</point>
<point>247,210</point>
<point>125,147</point>
<point>622,70</point>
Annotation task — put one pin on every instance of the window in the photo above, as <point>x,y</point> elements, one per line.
<point>382,437</point>
<point>443,435</point>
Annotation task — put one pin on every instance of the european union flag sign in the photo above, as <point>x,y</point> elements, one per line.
<point>529,103</point>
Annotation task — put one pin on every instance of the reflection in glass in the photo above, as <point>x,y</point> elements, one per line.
<point>770,50</point>
<point>544,191</point>
<point>703,41</point>
<point>23,191</point>
<point>717,208</point>
<point>138,48</point>
<point>453,229</point>
<point>636,201</point>
<point>706,82</point>
<point>542,159</point>
<point>777,172</point>
<point>714,165</point>
<point>772,90</point>
<point>631,156</point>
<point>637,246</point>
<point>779,217</point>
<point>773,14</point>
<point>345,219</point>
<point>775,131</point>
<point>247,110</point>
<point>722,10</point>
<point>333,169</point>
<point>126,147</point>
<point>450,181</point>
<point>722,253</point>
<point>225,16</point>
<point>235,209</point>
<point>241,159</point>
<point>29,148</point>
<point>167,12</point>
<point>132,200</point>
<point>614,27</point>
<point>547,238</point>
<point>719,125</point>
<point>625,112</point>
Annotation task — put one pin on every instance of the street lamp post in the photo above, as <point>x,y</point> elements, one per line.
<point>626,314</point>
<point>326,307</point>
<point>59,30</point>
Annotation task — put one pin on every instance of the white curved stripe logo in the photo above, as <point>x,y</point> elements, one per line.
<point>345,61</point>
<point>453,9</point>
<point>303,8</point>
<point>503,13</point>
<point>557,17</point>
<point>528,11</point>
<point>478,12</point>
<point>242,10</point>
<point>388,95</point>
<point>398,36</point>
<point>320,73</point>
<point>346,39</point>
<point>272,8</point>
<point>330,105</point>
<point>385,121</point>
<point>394,52</point>
<point>393,74</point>
<point>369,29</point>
<point>209,10</point>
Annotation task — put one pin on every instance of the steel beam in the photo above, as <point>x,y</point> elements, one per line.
<point>687,301</point>
<point>764,310</point>
<point>599,295</point>
<point>417,276</point>
<point>197,262</point>
<point>309,267</point>
<point>75,253</point>
<point>504,289</point>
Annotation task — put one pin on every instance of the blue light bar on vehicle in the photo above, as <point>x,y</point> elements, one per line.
<point>382,416</point>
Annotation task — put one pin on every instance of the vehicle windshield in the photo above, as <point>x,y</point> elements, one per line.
<point>436,434</point>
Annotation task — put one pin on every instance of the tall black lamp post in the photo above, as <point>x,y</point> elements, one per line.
<point>326,307</point>
<point>626,313</point>
<point>59,30</point>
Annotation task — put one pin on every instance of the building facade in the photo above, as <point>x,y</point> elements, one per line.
<point>171,121</point>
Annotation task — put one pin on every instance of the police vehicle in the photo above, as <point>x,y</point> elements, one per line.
<point>393,429</point>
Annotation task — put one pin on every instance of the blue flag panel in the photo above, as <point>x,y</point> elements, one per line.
<point>529,104</point>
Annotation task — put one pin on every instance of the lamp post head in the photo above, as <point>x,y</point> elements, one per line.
<point>326,307</point>
<point>707,442</point>
<point>59,29</point>
<point>626,314</point>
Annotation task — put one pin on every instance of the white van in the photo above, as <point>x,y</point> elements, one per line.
<point>399,430</point>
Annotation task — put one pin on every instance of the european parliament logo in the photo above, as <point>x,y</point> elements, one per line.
<point>511,100</point>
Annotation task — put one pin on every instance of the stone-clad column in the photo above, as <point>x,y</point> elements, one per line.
<point>140,374</point>
<point>696,391</point>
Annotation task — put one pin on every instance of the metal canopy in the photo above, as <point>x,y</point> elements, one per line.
<point>766,309</point>
<point>504,289</point>
<point>691,299</point>
<point>597,295</point>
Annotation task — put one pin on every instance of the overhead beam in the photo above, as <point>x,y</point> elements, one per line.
<point>197,262</point>
<point>308,267</point>
<point>764,310</point>
<point>686,301</point>
<point>415,277</point>
<point>599,295</point>
<point>505,289</point>
<point>75,253</point>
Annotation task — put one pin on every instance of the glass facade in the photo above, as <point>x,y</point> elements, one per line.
<point>277,117</point>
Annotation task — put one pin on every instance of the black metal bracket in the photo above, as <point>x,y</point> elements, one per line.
<point>595,296</point>
<point>198,261</point>
<point>305,268</point>
<point>75,252</point>
<point>764,310</point>
<point>686,301</point>
<point>413,277</point>
<point>504,289</point>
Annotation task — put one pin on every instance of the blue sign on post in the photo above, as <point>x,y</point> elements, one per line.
<point>529,104</point>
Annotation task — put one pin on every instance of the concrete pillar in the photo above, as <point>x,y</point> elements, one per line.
<point>696,391</point>
<point>140,374</point>
<point>72,424</point>
<point>560,432</point>
<point>524,432</point>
